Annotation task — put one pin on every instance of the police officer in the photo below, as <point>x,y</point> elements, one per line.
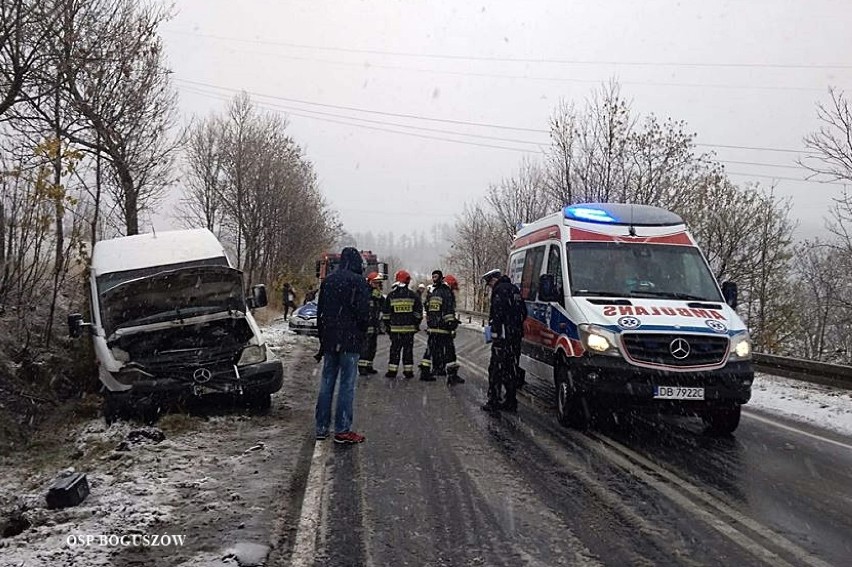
<point>441,323</point>
<point>402,314</point>
<point>377,301</point>
<point>506,319</point>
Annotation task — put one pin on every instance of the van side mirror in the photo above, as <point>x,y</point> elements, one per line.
<point>383,268</point>
<point>258,296</point>
<point>547,288</point>
<point>729,292</point>
<point>318,265</point>
<point>75,325</point>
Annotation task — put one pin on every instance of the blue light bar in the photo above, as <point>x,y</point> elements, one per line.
<point>589,215</point>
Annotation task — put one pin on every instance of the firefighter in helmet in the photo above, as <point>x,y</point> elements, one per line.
<point>368,348</point>
<point>441,325</point>
<point>402,313</point>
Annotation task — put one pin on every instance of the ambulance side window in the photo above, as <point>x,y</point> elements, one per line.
<point>554,268</point>
<point>532,271</point>
<point>516,267</point>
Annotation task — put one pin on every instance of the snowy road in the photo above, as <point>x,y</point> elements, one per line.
<point>439,482</point>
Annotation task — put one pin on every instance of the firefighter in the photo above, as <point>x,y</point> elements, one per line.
<point>377,301</point>
<point>403,312</point>
<point>441,324</point>
<point>427,373</point>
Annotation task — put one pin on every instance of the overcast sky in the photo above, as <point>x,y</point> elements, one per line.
<point>348,74</point>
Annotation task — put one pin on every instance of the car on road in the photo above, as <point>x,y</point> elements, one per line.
<point>304,319</point>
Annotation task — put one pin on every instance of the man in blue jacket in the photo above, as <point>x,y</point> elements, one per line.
<point>343,313</point>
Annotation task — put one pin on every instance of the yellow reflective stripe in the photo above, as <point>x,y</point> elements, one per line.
<point>449,317</point>
<point>439,331</point>
<point>403,329</point>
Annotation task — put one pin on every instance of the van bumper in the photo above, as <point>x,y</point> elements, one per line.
<point>262,378</point>
<point>615,379</point>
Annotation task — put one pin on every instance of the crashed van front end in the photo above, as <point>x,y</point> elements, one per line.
<point>182,332</point>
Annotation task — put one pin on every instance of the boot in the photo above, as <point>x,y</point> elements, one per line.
<point>371,370</point>
<point>510,405</point>
<point>454,378</point>
<point>390,374</point>
<point>426,376</point>
<point>491,407</point>
<point>408,374</point>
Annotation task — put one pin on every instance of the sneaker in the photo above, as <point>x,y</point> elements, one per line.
<point>322,436</point>
<point>349,437</point>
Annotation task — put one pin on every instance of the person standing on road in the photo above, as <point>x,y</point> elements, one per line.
<point>506,319</point>
<point>343,314</point>
<point>377,302</point>
<point>427,372</point>
<point>403,312</point>
<point>441,323</point>
<point>288,298</point>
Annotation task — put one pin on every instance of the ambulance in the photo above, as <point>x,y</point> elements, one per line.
<point>625,313</point>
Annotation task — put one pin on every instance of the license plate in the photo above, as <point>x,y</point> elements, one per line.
<point>202,390</point>
<point>678,393</point>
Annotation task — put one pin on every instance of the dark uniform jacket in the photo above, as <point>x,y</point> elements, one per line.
<point>441,310</point>
<point>343,309</point>
<point>377,303</point>
<point>403,311</point>
<point>508,311</point>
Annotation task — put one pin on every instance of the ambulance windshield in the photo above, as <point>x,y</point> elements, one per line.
<point>614,269</point>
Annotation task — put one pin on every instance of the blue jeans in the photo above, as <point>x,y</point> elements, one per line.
<point>346,365</point>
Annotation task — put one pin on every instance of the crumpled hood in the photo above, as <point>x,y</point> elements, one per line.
<point>173,295</point>
<point>660,315</point>
<point>307,310</point>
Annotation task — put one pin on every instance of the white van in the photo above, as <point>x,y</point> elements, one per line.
<point>170,319</point>
<point>624,312</point>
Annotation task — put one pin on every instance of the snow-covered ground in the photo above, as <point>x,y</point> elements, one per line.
<point>821,406</point>
<point>146,487</point>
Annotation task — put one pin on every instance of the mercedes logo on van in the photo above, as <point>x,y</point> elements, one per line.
<point>679,348</point>
<point>202,375</point>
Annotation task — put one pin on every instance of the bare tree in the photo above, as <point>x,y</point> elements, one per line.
<point>110,60</point>
<point>204,159</point>
<point>479,244</point>
<point>519,199</point>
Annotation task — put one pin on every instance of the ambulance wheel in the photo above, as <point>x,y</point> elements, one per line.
<point>723,419</point>
<point>572,410</point>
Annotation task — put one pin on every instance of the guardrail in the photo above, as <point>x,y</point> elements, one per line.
<point>812,371</point>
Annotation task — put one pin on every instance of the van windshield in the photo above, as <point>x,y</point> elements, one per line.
<point>615,269</point>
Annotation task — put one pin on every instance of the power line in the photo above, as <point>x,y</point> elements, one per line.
<point>297,112</point>
<point>515,59</point>
<point>355,109</point>
<point>531,77</point>
<point>345,123</point>
<point>778,178</point>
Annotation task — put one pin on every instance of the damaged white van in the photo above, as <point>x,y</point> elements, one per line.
<point>624,312</point>
<point>170,320</point>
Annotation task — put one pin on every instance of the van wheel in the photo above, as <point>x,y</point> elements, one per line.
<point>723,419</point>
<point>572,410</point>
<point>259,404</point>
<point>113,408</point>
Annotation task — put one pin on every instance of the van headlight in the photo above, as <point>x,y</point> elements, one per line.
<point>252,354</point>
<point>740,346</point>
<point>598,340</point>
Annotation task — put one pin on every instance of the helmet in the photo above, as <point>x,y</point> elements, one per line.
<point>402,277</point>
<point>372,276</point>
<point>451,281</point>
<point>495,273</point>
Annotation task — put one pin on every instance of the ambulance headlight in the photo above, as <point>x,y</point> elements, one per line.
<point>598,340</point>
<point>741,346</point>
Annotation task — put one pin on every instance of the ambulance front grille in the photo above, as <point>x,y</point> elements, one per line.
<point>680,350</point>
